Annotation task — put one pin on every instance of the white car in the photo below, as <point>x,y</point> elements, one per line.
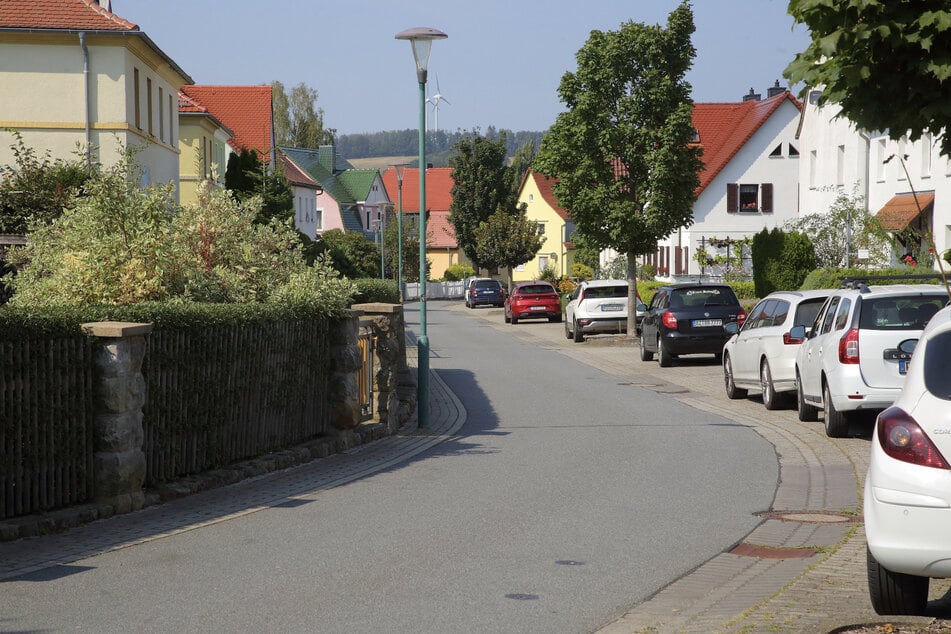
<point>851,361</point>
<point>598,306</point>
<point>761,355</point>
<point>907,501</point>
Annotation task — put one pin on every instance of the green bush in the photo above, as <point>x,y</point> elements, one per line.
<point>370,290</point>
<point>831,277</point>
<point>781,260</point>
<point>457,272</point>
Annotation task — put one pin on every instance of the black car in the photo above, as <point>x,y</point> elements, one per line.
<point>688,319</point>
<point>484,290</point>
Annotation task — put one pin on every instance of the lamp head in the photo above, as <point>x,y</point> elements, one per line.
<point>399,168</point>
<point>421,38</point>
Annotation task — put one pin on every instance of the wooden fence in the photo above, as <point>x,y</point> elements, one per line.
<point>46,424</point>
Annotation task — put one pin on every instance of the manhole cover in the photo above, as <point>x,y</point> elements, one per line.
<point>811,517</point>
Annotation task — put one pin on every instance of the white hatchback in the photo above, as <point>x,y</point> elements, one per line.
<point>907,501</point>
<point>851,360</point>
<point>599,306</point>
<point>761,355</point>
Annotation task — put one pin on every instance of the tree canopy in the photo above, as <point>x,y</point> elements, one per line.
<point>507,240</point>
<point>298,121</point>
<point>887,64</point>
<point>622,152</point>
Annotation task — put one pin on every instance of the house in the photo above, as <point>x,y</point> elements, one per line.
<point>203,143</point>
<point>83,75</point>
<point>349,199</point>
<point>749,179</point>
<point>840,158</point>
<point>554,223</point>
<point>308,217</point>
<point>442,249</point>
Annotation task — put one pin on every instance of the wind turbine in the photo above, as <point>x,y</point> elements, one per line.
<point>434,100</point>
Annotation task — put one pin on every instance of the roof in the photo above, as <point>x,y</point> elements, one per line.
<point>902,210</point>
<point>358,182</point>
<point>246,110</point>
<point>545,184</point>
<point>440,234</point>
<point>438,188</point>
<point>726,127</point>
<point>294,174</point>
<point>73,16</point>
<point>69,15</point>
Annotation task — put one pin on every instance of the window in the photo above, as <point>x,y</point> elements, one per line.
<point>777,151</point>
<point>842,318</point>
<point>793,152</point>
<point>926,141</point>
<point>319,219</point>
<point>171,118</point>
<point>696,136</point>
<point>136,102</point>
<point>901,153</point>
<point>749,197</point>
<point>542,262</point>
<point>148,105</point>
<point>880,160</point>
<point>813,159</point>
<point>840,165</point>
<point>541,228</point>
<point>531,197</point>
<point>829,316</point>
<point>753,321</point>
<point>161,114</point>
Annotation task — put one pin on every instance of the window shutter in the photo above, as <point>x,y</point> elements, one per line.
<point>732,197</point>
<point>766,204</point>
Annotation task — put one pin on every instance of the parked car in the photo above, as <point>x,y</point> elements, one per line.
<point>599,306</point>
<point>688,319</point>
<point>761,355</point>
<point>532,300</point>
<point>484,290</point>
<point>851,361</point>
<point>907,501</point>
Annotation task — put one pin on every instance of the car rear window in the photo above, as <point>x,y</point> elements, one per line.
<point>604,292</point>
<point>898,312</point>
<point>537,288</point>
<point>486,284</point>
<point>703,296</point>
<point>937,377</point>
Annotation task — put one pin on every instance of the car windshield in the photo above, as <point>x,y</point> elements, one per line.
<point>703,296</point>
<point>898,312</point>
<point>535,289</point>
<point>605,292</point>
<point>937,377</point>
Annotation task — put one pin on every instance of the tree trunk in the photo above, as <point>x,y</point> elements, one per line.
<point>631,294</point>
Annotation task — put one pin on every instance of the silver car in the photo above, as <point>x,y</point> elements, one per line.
<point>599,307</point>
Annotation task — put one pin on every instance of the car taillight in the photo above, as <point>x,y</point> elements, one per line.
<point>849,347</point>
<point>903,439</point>
<point>667,318</point>
<point>791,341</point>
<point>741,317</point>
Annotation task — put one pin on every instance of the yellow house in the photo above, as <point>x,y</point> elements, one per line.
<point>74,74</point>
<point>203,141</point>
<point>554,223</point>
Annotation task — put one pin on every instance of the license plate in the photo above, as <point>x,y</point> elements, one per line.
<point>902,366</point>
<point>702,323</point>
<point>610,308</point>
<point>537,308</point>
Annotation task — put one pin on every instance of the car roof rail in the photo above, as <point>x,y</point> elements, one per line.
<point>860,282</point>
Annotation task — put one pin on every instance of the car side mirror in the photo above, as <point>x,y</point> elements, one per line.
<point>908,346</point>
<point>641,306</point>
<point>798,332</point>
<point>731,327</point>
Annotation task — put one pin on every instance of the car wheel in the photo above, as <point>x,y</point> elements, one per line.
<point>837,424</point>
<point>771,399</point>
<point>895,592</point>
<point>506,315</point>
<point>578,335</point>
<point>732,391</point>
<point>807,413</point>
<point>568,334</point>
<point>514,319</point>
<point>663,355</point>
<point>554,320</point>
<point>646,355</point>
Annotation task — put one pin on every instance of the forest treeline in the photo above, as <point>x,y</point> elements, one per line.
<point>406,142</point>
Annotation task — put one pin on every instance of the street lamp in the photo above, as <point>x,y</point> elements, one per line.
<point>421,38</point>
<point>381,226</point>
<point>399,168</point>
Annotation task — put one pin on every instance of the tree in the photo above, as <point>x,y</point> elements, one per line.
<point>298,122</point>
<point>247,175</point>
<point>481,184</point>
<point>351,253</point>
<point>622,152</point>
<point>887,64</point>
<point>504,240</point>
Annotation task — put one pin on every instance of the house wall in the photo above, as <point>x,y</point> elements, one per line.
<point>328,211</point>
<point>539,211</point>
<point>45,72</point>
<point>752,164</point>
<point>305,211</point>
<point>196,133</point>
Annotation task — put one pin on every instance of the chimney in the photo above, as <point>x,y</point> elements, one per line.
<point>752,96</point>
<point>775,90</point>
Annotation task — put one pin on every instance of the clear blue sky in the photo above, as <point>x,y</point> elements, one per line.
<point>500,66</point>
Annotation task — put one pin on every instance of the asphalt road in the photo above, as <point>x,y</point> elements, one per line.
<point>564,499</point>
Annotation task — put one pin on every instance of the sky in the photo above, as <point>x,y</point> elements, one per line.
<point>500,65</point>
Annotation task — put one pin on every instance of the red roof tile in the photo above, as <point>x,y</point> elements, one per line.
<point>438,188</point>
<point>439,231</point>
<point>902,210</point>
<point>544,184</point>
<point>187,104</point>
<point>60,15</point>
<point>725,127</point>
<point>246,110</point>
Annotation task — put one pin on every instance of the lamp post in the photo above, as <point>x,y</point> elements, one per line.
<point>381,225</point>
<point>421,38</point>
<point>399,168</point>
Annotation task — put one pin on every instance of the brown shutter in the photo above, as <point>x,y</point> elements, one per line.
<point>766,202</point>
<point>732,197</point>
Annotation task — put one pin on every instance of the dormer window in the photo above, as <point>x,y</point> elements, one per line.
<point>696,136</point>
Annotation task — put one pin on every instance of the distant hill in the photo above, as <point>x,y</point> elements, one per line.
<point>404,144</point>
<point>382,162</point>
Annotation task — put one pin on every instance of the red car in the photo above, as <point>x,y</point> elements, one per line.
<point>532,300</point>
